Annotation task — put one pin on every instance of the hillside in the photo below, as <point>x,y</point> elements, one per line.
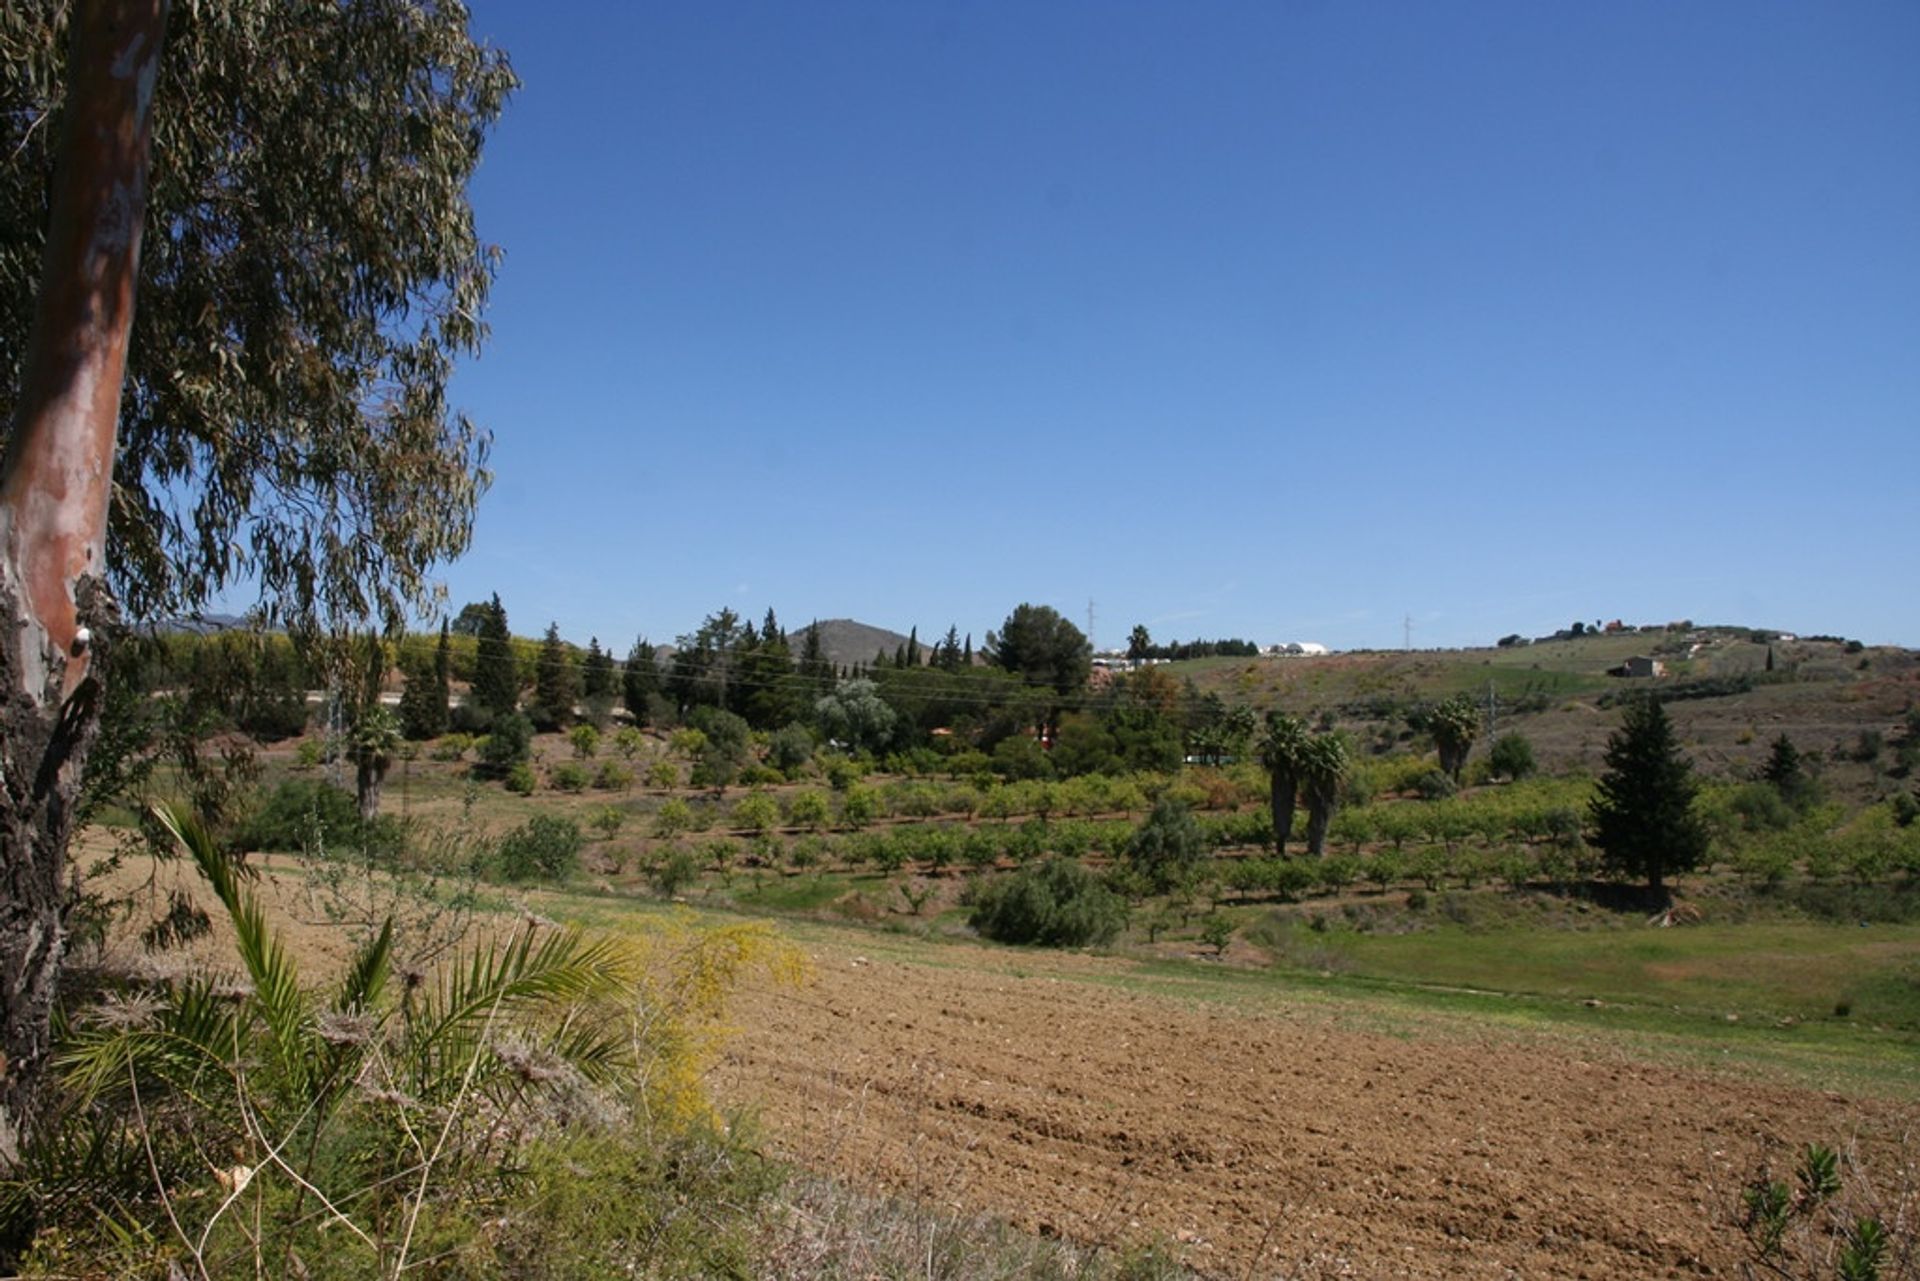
<point>1825,694</point>
<point>847,642</point>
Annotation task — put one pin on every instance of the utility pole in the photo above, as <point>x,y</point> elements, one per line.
<point>1407,639</point>
<point>1090,644</point>
<point>1493,712</point>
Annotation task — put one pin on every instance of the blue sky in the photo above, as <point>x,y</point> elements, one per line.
<point>1282,321</point>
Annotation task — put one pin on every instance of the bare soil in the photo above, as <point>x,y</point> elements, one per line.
<point>1269,1140</point>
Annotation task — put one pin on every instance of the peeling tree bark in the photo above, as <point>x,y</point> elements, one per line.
<point>54,485</point>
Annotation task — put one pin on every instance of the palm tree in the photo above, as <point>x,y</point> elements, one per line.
<point>1280,753</point>
<point>1324,765</point>
<point>365,1105</point>
<point>1454,725</point>
<point>375,739</point>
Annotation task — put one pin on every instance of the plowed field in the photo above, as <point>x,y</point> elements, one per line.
<point>1272,1137</point>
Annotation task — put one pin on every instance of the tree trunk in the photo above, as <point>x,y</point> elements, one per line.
<point>369,773</point>
<point>55,480</point>
<point>1319,819</point>
<point>1281,798</point>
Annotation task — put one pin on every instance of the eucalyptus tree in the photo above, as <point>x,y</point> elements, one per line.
<point>276,412</point>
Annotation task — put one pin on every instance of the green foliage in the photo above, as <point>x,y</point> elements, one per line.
<point>509,743</point>
<point>1818,1226</point>
<point>1057,903</point>
<point>520,779</point>
<point>1043,648</point>
<point>495,689</point>
<point>1019,756</point>
<point>1454,724</point>
<point>674,873</point>
<point>569,776</point>
<point>544,848</point>
<point>756,812</point>
<point>673,817</point>
<point>1642,809</point>
<point>1512,756</point>
<point>556,683</point>
<point>809,809</point>
<point>285,419</point>
<point>300,814</point>
<point>585,741</point>
<point>1787,773</point>
<point>722,747</point>
<point>859,806</point>
<point>856,717</point>
<point>1167,847</point>
<point>640,681</point>
<point>790,749</point>
<point>612,776</point>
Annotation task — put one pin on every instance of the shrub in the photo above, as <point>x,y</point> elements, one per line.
<point>612,776</point>
<point>1058,903</point>
<point>790,749</point>
<point>859,806</point>
<point>1511,755</point>
<point>521,778</point>
<point>451,747</point>
<point>756,812</point>
<point>518,1058</point>
<point>1435,785</point>
<point>628,741</point>
<point>1167,845</point>
<point>809,810</point>
<point>672,818</point>
<point>542,848</point>
<point>297,815</point>
<point>508,744</point>
<point>676,870</point>
<point>585,739</point>
<point>570,776</point>
<point>663,774</point>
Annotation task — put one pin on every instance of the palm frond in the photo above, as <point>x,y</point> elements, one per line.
<point>505,983</point>
<point>367,977</point>
<point>277,997</point>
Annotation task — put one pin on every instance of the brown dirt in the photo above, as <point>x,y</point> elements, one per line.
<point>1270,1141</point>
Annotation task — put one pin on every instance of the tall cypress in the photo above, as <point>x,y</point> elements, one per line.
<point>496,678</point>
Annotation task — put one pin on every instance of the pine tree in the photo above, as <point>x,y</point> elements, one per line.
<point>496,678</point>
<point>640,683</point>
<point>947,652</point>
<point>596,672</point>
<point>815,668</point>
<point>555,683</point>
<point>423,713</point>
<point>913,646</point>
<point>1642,810</point>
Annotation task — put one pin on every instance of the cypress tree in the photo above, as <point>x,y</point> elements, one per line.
<point>496,678</point>
<point>640,682</point>
<point>555,683</point>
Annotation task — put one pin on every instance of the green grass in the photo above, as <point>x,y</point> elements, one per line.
<point>1797,971</point>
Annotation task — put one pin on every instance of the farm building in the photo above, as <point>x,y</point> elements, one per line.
<point>1639,665</point>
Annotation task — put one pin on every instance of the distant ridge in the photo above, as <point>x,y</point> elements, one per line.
<point>847,642</point>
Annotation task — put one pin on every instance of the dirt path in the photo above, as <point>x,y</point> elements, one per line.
<point>1273,1142</point>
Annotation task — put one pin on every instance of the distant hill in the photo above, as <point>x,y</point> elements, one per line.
<point>847,642</point>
